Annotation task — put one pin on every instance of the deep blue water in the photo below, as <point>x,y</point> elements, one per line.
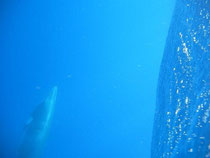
<point>104,56</point>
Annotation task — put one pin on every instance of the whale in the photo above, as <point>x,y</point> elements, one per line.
<point>37,128</point>
<point>181,121</point>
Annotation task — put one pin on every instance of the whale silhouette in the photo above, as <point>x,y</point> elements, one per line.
<point>37,128</point>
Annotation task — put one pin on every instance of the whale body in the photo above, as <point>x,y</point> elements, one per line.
<point>37,127</point>
<point>182,115</point>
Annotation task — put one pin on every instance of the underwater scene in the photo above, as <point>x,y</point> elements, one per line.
<point>104,79</point>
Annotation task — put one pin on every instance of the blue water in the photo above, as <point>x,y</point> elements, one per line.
<point>104,56</point>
